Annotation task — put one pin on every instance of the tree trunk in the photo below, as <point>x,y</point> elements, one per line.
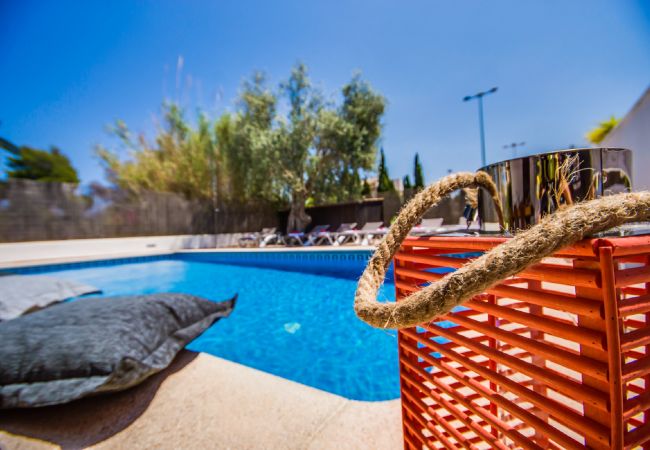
<point>298,217</point>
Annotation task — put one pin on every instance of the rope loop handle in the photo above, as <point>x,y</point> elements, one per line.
<point>565,227</point>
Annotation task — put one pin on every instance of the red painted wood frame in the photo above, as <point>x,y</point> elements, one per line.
<point>555,357</point>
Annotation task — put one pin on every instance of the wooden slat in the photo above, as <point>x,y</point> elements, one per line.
<point>509,406</point>
<point>573,361</point>
<point>560,383</point>
<point>582,249</point>
<point>636,338</point>
<point>541,272</point>
<point>555,300</point>
<point>638,436</point>
<point>422,442</point>
<point>563,414</point>
<point>636,369</point>
<point>478,411</point>
<point>636,405</point>
<point>416,415</point>
<point>629,277</point>
<point>548,325</point>
<point>636,305</point>
<point>622,246</point>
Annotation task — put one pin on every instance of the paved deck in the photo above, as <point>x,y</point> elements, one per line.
<point>206,402</point>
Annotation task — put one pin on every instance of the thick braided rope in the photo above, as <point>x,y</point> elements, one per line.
<point>565,227</point>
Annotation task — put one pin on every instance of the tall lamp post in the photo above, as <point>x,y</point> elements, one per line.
<point>479,96</point>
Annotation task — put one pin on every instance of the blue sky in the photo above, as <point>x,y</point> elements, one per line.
<point>69,68</point>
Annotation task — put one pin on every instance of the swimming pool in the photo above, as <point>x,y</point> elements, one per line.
<point>294,315</point>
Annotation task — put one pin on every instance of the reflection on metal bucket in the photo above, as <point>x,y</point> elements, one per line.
<point>534,186</point>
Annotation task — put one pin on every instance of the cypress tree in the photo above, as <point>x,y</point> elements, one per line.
<point>365,190</point>
<point>407,182</point>
<point>384,182</point>
<point>419,176</point>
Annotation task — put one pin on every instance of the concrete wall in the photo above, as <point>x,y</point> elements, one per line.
<point>21,252</point>
<point>634,133</point>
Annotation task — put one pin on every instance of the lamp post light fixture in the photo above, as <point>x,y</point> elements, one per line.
<point>514,146</point>
<point>479,96</point>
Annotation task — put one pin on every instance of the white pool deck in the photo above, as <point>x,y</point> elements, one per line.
<point>204,402</point>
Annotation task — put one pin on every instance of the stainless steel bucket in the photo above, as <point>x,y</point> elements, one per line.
<point>533,186</point>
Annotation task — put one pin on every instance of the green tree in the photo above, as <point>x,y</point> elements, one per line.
<point>361,115</point>
<point>181,159</point>
<point>365,191</point>
<point>245,142</point>
<point>384,183</point>
<point>41,165</point>
<point>418,174</point>
<point>596,135</point>
<point>407,182</point>
<point>322,149</point>
<point>294,137</point>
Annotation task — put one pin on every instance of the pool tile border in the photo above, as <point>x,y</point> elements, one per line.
<point>42,268</point>
<point>361,255</point>
<point>265,257</point>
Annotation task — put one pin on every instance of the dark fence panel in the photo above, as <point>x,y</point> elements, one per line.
<point>31,210</point>
<point>250,218</point>
<point>370,210</point>
<point>391,205</point>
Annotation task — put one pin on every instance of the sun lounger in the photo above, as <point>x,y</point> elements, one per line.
<point>272,237</point>
<point>306,239</point>
<point>372,235</point>
<point>259,239</point>
<point>428,226</point>
<point>318,233</point>
<point>364,236</point>
<point>331,237</point>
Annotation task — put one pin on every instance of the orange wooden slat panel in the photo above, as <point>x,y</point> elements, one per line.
<point>544,361</point>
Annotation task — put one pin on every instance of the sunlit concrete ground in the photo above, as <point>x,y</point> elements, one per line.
<point>205,402</point>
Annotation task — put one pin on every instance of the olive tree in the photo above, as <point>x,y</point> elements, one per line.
<point>322,148</point>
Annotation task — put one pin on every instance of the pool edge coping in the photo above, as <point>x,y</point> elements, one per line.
<point>4,266</point>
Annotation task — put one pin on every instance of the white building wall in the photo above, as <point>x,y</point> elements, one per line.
<point>634,133</point>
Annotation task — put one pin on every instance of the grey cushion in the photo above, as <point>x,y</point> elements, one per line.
<point>21,294</point>
<point>89,346</point>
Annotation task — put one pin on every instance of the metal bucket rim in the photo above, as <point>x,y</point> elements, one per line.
<point>553,152</point>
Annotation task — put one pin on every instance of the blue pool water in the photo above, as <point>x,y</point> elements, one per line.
<point>298,324</point>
